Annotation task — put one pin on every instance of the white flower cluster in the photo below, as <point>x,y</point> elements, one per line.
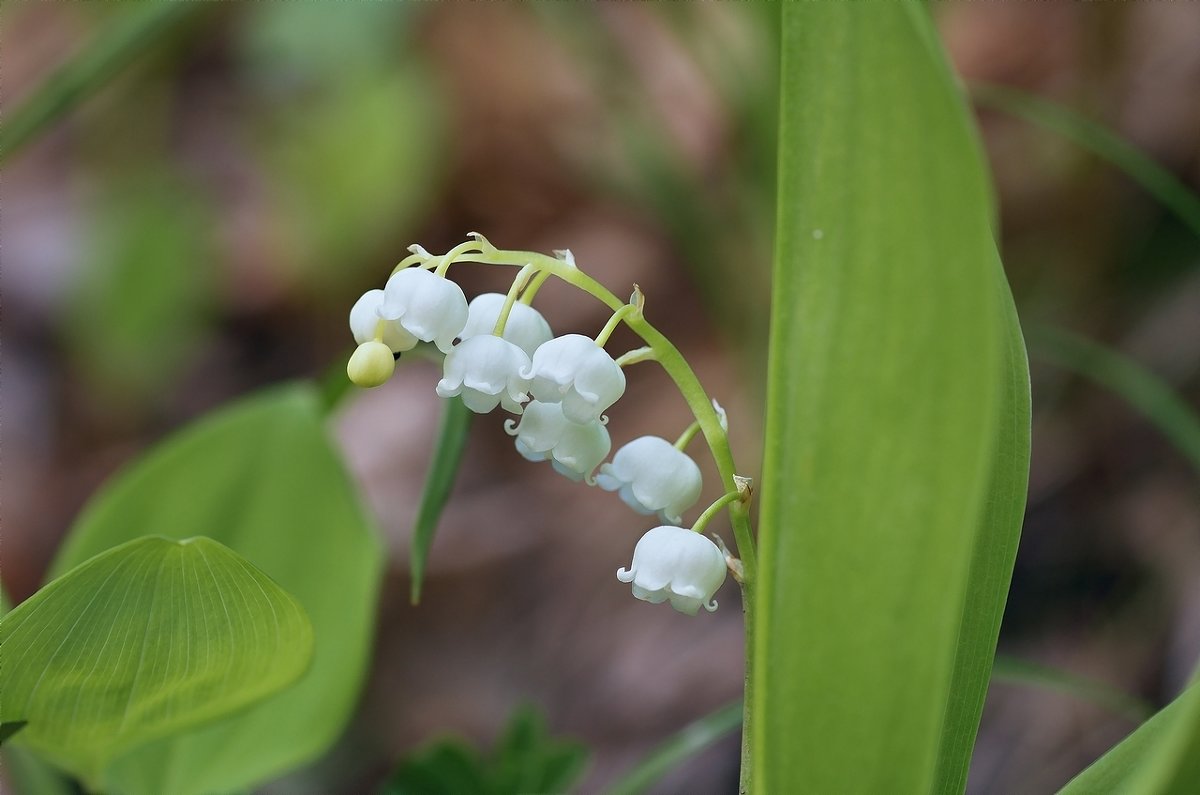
<point>560,387</point>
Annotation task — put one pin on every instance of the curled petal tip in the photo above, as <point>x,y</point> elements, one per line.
<point>624,575</point>
<point>510,427</point>
<point>711,606</point>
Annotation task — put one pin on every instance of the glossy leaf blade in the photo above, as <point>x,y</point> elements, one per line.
<point>897,423</point>
<point>152,637</point>
<point>261,477</point>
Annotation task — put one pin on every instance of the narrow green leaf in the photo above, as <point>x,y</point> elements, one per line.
<point>897,421</point>
<point>131,35</point>
<point>262,477</point>
<point>1146,392</point>
<point>688,742</point>
<point>1024,672</point>
<point>443,469</point>
<point>150,638</point>
<point>1099,140</point>
<point>1162,757</point>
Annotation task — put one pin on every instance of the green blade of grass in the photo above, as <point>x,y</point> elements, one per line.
<point>1144,391</point>
<point>447,456</point>
<point>688,742</point>
<point>1030,674</point>
<point>1098,140</point>
<point>135,32</point>
<point>1161,757</point>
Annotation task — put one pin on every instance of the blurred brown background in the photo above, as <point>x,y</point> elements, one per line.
<point>200,227</point>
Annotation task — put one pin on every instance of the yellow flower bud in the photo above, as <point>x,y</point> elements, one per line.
<point>371,365</point>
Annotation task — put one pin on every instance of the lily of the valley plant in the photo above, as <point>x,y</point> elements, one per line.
<point>501,353</point>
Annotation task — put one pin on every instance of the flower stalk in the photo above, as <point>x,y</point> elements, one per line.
<point>708,420</point>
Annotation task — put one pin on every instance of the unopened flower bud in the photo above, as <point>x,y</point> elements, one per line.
<point>371,364</point>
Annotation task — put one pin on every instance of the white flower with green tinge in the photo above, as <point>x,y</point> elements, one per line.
<point>365,324</point>
<point>574,449</point>
<point>486,371</point>
<point>525,327</point>
<point>652,476</point>
<point>676,565</point>
<point>429,307</point>
<point>574,371</point>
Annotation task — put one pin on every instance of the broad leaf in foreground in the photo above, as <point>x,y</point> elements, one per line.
<point>261,477</point>
<point>144,640</point>
<point>897,433</point>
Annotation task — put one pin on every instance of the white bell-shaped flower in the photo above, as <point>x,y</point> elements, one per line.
<point>574,449</point>
<point>525,327</point>
<point>429,307</point>
<point>486,371</point>
<point>652,476</point>
<point>365,320</point>
<point>576,372</point>
<point>671,563</point>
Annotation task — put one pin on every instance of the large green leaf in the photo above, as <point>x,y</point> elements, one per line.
<point>897,422</point>
<point>262,478</point>
<point>150,638</point>
<point>1161,758</point>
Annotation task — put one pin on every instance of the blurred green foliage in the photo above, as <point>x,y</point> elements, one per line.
<point>526,760</point>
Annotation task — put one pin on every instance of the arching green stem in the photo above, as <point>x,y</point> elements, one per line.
<point>453,255</point>
<point>510,299</point>
<point>643,354</point>
<point>686,437</point>
<point>672,361</point>
<point>613,322</point>
<point>693,393</point>
<point>713,510</point>
<point>534,286</point>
